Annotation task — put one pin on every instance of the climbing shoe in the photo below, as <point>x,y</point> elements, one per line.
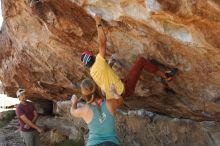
<point>169,74</point>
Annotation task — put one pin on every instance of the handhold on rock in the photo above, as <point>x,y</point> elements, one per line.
<point>34,2</point>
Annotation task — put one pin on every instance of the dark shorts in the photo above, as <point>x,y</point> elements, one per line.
<point>107,143</point>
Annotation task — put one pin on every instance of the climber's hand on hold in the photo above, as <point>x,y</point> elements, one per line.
<point>98,18</point>
<point>101,36</point>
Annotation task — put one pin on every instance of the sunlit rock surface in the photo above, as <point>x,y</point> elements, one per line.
<point>41,46</point>
<point>40,51</point>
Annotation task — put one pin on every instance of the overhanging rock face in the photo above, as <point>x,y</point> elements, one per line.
<point>40,49</point>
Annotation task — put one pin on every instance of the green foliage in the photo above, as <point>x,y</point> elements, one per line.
<point>70,143</point>
<point>7,117</point>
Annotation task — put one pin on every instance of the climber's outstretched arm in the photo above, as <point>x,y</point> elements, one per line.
<point>101,36</point>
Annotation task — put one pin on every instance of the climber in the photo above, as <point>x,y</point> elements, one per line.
<point>99,114</point>
<point>104,75</point>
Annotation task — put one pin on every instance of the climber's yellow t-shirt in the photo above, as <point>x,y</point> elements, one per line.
<point>104,76</point>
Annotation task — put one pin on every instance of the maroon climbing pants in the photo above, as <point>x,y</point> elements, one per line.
<point>134,74</point>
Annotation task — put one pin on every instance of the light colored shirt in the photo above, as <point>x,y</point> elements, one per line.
<point>104,76</point>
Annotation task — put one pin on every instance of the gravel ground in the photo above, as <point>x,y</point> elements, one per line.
<point>10,135</point>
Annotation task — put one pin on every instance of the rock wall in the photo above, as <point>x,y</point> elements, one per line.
<point>40,48</point>
<point>140,128</point>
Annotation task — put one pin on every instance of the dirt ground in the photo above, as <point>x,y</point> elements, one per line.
<point>10,135</point>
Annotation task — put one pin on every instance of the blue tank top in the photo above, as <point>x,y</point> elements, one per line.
<point>101,128</point>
